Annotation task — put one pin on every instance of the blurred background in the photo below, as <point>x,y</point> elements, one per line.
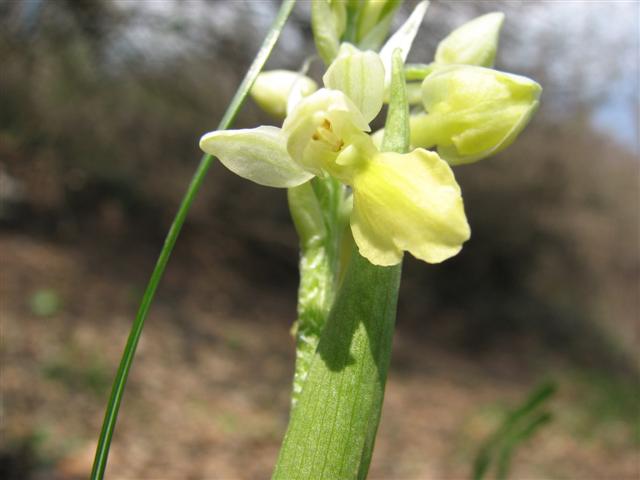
<point>102,103</point>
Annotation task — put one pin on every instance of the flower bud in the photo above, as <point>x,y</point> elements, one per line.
<point>328,22</point>
<point>473,112</point>
<point>272,90</point>
<point>474,43</point>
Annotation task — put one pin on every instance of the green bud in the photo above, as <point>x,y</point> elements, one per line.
<point>369,15</point>
<point>328,22</point>
<point>473,112</point>
<point>273,90</point>
<point>374,22</point>
<point>375,14</point>
<point>474,43</point>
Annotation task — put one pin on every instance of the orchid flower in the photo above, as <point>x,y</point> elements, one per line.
<point>401,202</point>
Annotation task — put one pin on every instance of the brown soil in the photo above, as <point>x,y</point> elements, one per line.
<point>208,394</point>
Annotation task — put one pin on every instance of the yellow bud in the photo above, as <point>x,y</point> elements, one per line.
<point>273,90</point>
<point>474,43</point>
<point>473,112</point>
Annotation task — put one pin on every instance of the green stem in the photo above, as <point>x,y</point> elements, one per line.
<point>332,429</point>
<point>318,213</point>
<point>111,414</point>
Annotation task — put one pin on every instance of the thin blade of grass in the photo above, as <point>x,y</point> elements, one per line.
<point>504,459</point>
<point>487,452</point>
<point>119,384</point>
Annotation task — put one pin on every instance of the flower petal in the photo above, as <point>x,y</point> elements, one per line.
<point>408,202</point>
<point>474,43</point>
<point>360,75</point>
<point>258,154</point>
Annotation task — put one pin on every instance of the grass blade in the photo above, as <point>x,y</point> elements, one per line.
<point>493,444</point>
<point>504,459</point>
<point>111,414</point>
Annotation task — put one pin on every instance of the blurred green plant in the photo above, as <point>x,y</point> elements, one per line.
<point>78,370</point>
<point>19,457</point>
<point>607,403</point>
<point>45,302</point>
<point>519,425</point>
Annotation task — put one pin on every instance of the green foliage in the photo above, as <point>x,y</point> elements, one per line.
<point>19,457</point>
<point>78,370</point>
<point>45,302</point>
<point>607,402</point>
<point>518,426</point>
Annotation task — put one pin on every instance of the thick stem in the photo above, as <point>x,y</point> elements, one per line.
<point>332,429</point>
<point>316,208</point>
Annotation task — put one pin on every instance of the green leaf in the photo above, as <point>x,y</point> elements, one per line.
<point>516,439</point>
<point>111,414</point>
<point>332,430</point>
<point>396,129</point>
<point>403,38</point>
<point>511,432</point>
